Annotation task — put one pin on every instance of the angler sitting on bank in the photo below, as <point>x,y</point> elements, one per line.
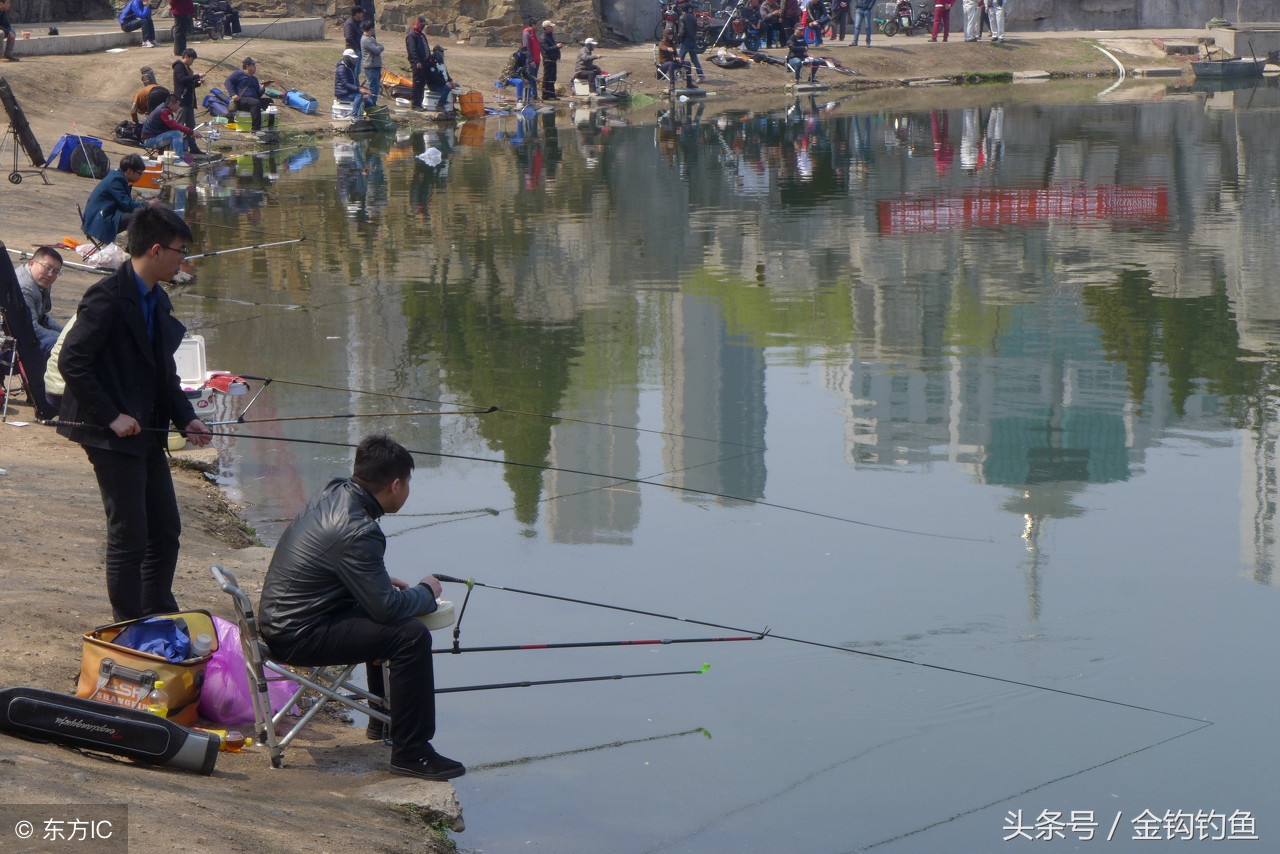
<point>345,87</point>
<point>798,56</point>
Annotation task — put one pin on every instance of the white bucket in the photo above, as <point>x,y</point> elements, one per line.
<point>440,618</point>
<point>341,110</point>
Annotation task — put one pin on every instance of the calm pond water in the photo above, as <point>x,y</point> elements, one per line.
<point>930,394</point>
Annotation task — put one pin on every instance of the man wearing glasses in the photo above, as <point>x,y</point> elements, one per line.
<point>35,279</point>
<point>122,393</point>
<point>111,203</point>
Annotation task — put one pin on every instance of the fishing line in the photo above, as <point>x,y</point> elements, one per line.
<point>337,415</point>
<point>563,418</point>
<point>525,760</point>
<point>836,647</point>
<point>245,43</point>
<point>1028,791</point>
<point>546,468</point>
<point>755,502</point>
<point>530,684</point>
<point>561,495</point>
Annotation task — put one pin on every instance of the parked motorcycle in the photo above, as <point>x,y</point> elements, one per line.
<point>906,19</point>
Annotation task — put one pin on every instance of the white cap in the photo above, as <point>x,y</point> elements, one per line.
<point>548,24</point>
<point>591,42</point>
<point>350,54</point>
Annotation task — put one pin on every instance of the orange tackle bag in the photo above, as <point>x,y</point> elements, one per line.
<point>123,676</point>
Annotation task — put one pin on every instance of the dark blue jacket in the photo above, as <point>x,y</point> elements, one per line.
<point>345,86</point>
<point>112,198</point>
<point>242,84</point>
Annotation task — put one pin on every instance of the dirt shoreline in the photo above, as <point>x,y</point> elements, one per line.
<point>51,577</point>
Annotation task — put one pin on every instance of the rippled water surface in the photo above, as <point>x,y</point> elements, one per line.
<point>973,408</point>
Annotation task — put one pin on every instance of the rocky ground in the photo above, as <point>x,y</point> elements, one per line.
<point>51,576</point>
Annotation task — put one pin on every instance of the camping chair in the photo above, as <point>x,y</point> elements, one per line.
<point>333,683</point>
<point>95,242</point>
<point>663,75</point>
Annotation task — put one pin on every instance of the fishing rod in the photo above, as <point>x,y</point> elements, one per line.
<point>245,43</point>
<point>525,760</point>
<point>620,479</point>
<point>896,659</point>
<point>243,420</point>
<point>583,644</point>
<point>246,248</point>
<point>703,669</point>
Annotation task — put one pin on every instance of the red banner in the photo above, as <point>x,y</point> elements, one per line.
<point>992,207</point>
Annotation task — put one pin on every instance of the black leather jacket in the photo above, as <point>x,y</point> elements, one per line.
<point>330,561</point>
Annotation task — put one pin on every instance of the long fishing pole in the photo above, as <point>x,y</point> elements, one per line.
<point>703,669</point>
<point>337,415</point>
<point>472,582</point>
<point>583,644</point>
<point>245,43</point>
<point>246,248</point>
<point>621,479</point>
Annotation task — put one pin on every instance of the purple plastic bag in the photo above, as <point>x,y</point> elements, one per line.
<point>226,698</point>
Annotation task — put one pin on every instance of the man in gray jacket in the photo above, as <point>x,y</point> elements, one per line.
<point>327,599</point>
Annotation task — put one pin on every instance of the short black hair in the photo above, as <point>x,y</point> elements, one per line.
<point>152,224</point>
<point>357,10</point>
<point>380,460</point>
<point>191,52</point>
<point>248,60</point>
<point>366,26</point>
<point>133,162</point>
<point>44,252</point>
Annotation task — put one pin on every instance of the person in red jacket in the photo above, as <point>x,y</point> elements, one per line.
<point>182,11</point>
<point>532,45</point>
<point>941,19</point>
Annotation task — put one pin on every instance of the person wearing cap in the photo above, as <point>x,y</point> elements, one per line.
<point>415,43</point>
<point>439,81</point>
<point>246,92</point>
<point>689,39</point>
<point>586,68</point>
<point>371,61</point>
<point>550,59</point>
<point>345,86</point>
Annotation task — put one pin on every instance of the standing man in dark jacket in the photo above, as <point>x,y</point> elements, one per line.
<point>689,39</point>
<point>328,599</point>
<point>415,43</point>
<point>550,60</point>
<point>122,393</point>
<point>352,28</point>
<point>185,82</point>
<point>183,11</point>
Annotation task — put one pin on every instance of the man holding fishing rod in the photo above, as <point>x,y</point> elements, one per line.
<point>122,393</point>
<point>328,599</point>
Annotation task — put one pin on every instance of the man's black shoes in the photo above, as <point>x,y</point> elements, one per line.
<point>433,766</point>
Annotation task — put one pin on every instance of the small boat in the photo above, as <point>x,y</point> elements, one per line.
<point>1240,66</point>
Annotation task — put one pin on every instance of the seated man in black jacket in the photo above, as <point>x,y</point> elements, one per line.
<point>327,599</point>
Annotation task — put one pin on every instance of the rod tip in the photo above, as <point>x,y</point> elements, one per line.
<point>706,665</point>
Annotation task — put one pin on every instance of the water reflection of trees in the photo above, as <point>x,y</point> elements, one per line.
<point>1194,338</point>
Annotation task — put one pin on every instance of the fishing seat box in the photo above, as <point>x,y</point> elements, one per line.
<point>121,676</point>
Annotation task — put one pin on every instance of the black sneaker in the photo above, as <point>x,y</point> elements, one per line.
<point>433,766</point>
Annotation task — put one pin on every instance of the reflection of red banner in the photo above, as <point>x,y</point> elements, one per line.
<point>985,208</point>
